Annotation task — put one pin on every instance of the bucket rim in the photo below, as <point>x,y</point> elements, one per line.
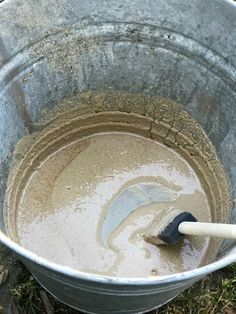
<point>71,272</point>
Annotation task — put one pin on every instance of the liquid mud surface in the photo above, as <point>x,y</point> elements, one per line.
<point>73,182</point>
<point>59,215</point>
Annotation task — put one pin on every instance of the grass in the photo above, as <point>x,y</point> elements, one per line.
<point>27,296</point>
<point>214,294</point>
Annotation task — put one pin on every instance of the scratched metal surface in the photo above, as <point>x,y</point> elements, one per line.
<point>182,50</point>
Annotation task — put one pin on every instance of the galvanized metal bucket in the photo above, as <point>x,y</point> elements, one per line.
<point>183,50</point>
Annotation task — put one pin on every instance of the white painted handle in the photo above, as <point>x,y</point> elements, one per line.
<point>226,231</point>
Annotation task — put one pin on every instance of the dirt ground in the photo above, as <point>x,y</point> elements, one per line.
<point>212,295</point>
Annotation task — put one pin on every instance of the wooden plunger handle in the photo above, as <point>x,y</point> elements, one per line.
<point>227,231</point>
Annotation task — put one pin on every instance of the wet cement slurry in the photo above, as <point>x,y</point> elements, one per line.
<point>59,214</point>
<point>69,177</point>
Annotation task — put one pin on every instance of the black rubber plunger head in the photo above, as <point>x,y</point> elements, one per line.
<point>166,231</point>
<point>171,234</point>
